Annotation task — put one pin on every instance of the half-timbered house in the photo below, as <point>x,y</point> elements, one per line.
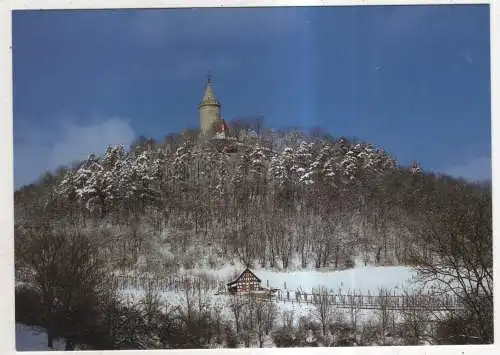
<point>246,282</point>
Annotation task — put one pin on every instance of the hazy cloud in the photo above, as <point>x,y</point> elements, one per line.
<point>38,149</point>
<point>476,169</point>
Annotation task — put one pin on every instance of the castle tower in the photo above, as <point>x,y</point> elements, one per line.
<point>209,109</point>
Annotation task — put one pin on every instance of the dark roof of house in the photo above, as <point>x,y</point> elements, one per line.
<point>239,277</point>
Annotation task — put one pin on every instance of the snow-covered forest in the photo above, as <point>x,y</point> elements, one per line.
<point>282,201</point>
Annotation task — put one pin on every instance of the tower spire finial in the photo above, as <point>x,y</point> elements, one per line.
<point>209,78</point>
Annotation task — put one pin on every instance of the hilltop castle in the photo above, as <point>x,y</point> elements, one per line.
<point>211,121</point>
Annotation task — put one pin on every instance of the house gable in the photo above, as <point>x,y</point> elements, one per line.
<point>247,281</point>
<point>246,275</point>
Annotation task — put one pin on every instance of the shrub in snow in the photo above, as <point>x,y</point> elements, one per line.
<point>311,339</point>
<point>284,337</point>
<point>308,331</point>
<point>414,327</point>
<point>370,334</point>
<point>230,337</point>
<point>343,334</point>
<point>28,305</point>
<point>463,327</point>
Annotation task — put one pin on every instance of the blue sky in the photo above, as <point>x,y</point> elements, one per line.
<point>414,80</point>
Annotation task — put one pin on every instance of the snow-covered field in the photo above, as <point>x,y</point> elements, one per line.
<point>364,280</point>
<point>360,279</point>
<point>30,338</point>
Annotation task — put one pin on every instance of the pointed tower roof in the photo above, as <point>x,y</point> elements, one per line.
<point>209,96</point>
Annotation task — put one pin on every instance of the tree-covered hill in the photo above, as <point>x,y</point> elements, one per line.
<point>282,200</point>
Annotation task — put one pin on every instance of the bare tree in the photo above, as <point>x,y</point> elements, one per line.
<point>282,239</point>
<point>271,313</point>
<point>71,279</point>
<point>415,325</point>
<point>324,311</point>
<point>354,309</point>
<point>287,319</point>
<point>259,311</point>
<point>217,321</point>
<point>303,238</point>
<point>248,324</point>
<point>319,244</point>
<point>169,326</point>
<point>383,312</point>
<point>284,336</point>
<point>151,304</point>
<point>196,318</point>
<point>236,305</point>
<point>458,255</point>
<point>265,313</point>
<point>244,243</point>
<point>241,127</point>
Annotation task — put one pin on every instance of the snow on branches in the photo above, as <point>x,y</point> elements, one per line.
<point>327,163</point>
<point>120,176</point>
<point>116,176</point>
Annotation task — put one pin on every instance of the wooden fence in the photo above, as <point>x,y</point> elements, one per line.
<point>169,283</point>
<point>161,284</point>
<point>386,301</point>
<point>351,301</point>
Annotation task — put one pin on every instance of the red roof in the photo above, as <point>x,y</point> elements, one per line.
<point>223,126</point>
